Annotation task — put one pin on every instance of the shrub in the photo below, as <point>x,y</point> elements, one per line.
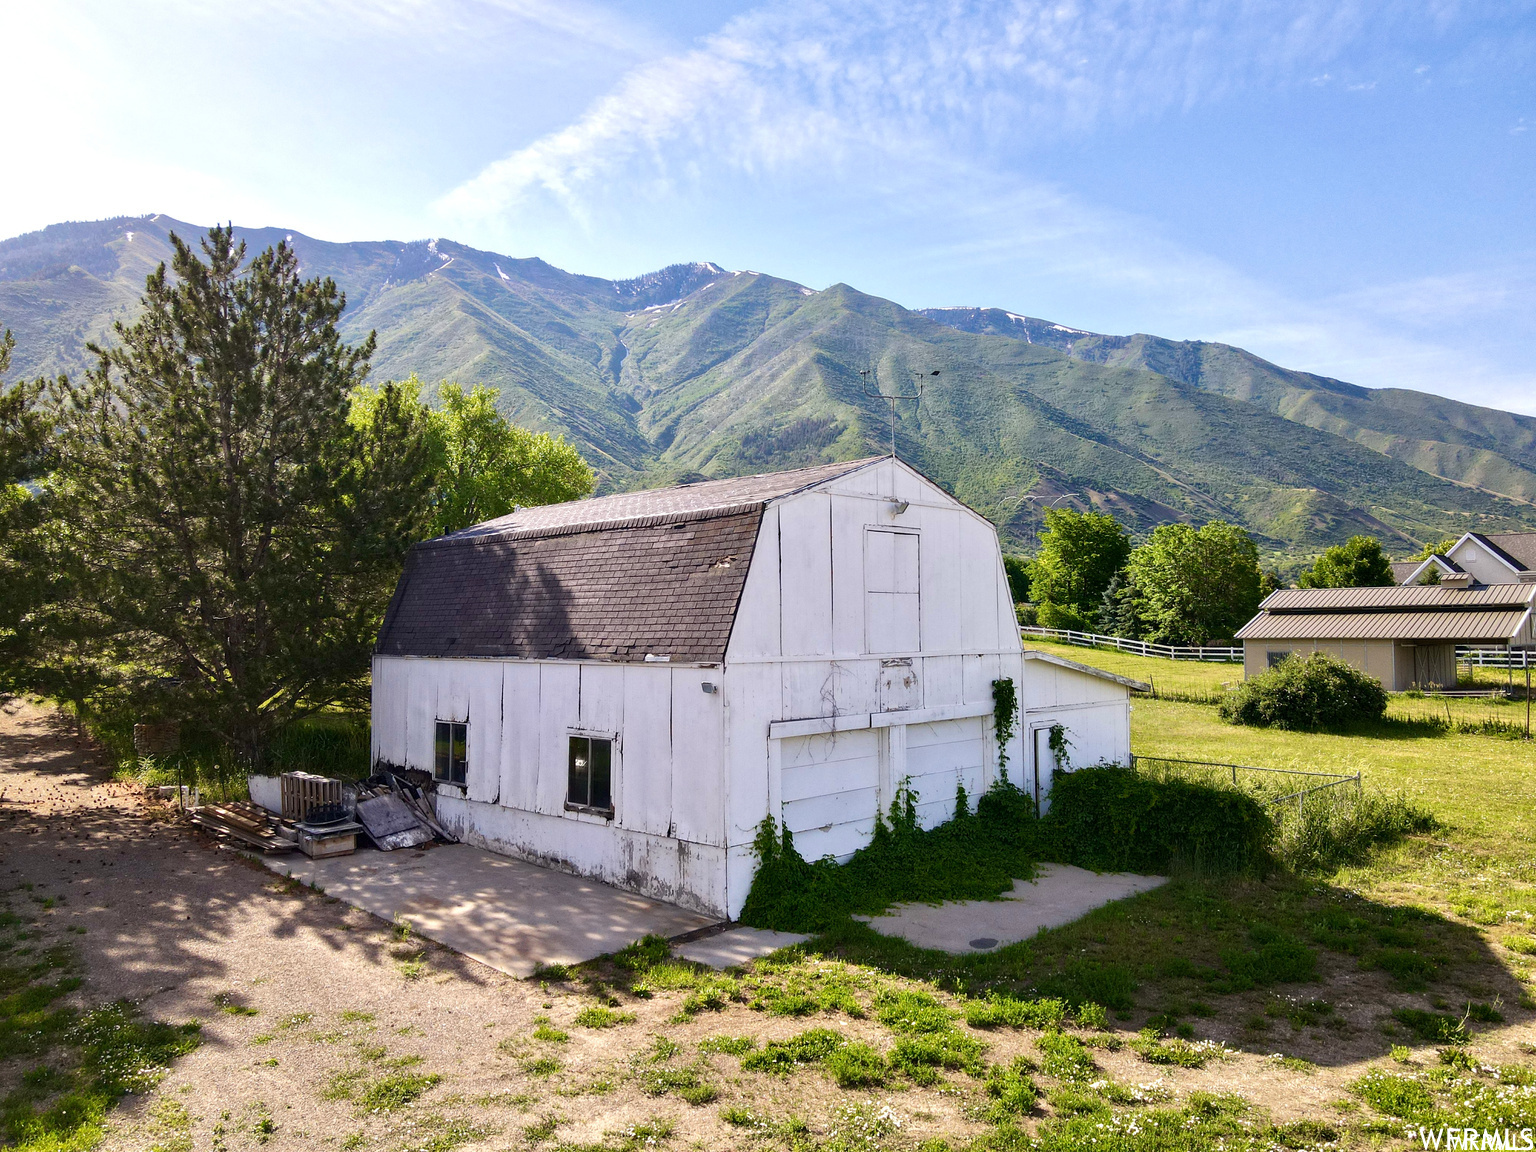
<point>976,855</point>
<point>1337,827</point>
<point>1062,616</point>
<point>1114,819</point>
<point>1318,691</point>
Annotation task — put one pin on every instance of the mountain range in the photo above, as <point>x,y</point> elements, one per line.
<point>698,371</point>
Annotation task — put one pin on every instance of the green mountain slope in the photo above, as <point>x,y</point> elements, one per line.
<point>1481,447</point>
<point>695,370</point>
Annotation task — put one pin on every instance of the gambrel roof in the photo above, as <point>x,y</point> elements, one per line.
<point>621,577</point>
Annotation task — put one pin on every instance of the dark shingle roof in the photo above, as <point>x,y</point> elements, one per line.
<point>667,589</point>
<point>612,578</point>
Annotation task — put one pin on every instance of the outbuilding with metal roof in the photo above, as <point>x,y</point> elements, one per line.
<point>1405,636</point>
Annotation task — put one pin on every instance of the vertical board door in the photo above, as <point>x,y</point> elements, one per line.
<point>831,791</point>
<point>941,755</point>
<point>1044,768</point>
<point>892,570</point>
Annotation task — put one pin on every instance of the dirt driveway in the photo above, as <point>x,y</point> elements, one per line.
<point>301,997</point>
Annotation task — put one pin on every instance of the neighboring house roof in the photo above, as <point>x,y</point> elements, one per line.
<point>613,578</point>
<point>1088,669</point>
<point>1492,627</point>
<point>1493,613</point>
<point>1517,549</point>
<point>1409,571</point>
<point>1397,598</point>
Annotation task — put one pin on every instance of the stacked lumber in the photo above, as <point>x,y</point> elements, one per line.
<point>246,823</point>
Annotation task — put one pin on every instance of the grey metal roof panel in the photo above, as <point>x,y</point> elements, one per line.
<point>1494,626</point>
<point>669,589</point>
<point>1397,598</point>
<point>656,505</point>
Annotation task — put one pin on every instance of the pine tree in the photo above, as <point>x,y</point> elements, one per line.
<point>1120,613</point>
<point>227,539</point>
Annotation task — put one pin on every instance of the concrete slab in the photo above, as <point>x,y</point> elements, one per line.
<point>506,913</point>
<point>1059,895</point>
<point>736,946</point>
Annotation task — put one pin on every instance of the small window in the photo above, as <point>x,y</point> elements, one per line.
<point>450,761</point>
<point>589,786</point>
<point>1277,658</point>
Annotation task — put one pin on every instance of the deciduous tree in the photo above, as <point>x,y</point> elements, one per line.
<point>1200,585</point>
<point>483,465</point>
<point>1080,552</point>
<point>1357,563</point>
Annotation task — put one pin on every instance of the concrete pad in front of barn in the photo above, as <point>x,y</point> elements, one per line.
<point>1058,895</point>
<point>737,946</point>
<point>508,914</point>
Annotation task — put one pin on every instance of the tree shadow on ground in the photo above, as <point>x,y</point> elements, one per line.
<point>1259,964</point>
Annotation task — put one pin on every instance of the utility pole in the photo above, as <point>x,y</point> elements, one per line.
<point>872,388</point>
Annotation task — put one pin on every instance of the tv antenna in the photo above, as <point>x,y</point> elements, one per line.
<point>872,388</point>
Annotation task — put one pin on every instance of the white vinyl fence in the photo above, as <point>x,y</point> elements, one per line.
<point>1139,647</point>
<point>1474,657</point>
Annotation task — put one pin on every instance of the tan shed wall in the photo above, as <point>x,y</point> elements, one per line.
<point>1374,657</point>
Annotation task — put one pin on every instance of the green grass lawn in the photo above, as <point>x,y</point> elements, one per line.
<point>1186,678</point>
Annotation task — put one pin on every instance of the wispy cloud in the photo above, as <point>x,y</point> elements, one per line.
<point>433,23</point>
<point>815,84</point>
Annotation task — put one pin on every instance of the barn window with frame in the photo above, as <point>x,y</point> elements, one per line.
<point>450,752</point>
<point>589,781</point>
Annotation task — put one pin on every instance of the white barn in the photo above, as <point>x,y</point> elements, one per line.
<point>624,687</point>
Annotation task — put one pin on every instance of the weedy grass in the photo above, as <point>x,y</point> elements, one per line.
<point>598,1016</point>
<point>95,1058</point>
<point>781,1057</point>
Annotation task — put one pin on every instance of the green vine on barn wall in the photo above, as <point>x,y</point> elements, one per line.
<point>1005,719</point>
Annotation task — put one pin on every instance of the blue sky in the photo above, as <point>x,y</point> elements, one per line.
<point>1345,187</point>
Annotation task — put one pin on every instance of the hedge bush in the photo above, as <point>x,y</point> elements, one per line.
<point>1113,819</point>
<point>1318,691</point>
<point>976,855</point>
